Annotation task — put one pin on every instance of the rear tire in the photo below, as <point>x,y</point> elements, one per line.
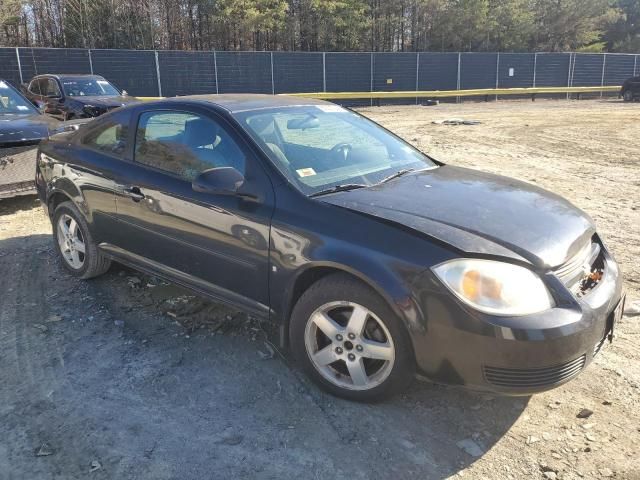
<point>349,341</point>
<point>78,252</point>
<point>627,96</point>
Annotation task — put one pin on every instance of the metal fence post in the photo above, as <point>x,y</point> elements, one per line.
<point>497,73</point>
<point>158,73</point>
<point>569,80</point>
<point>635,65</point>
<point>273,85</point>
<point>324,71</point>
<point>371,78</point>
<point>604,64</point>
<point>20,65</point>
<point>535,66</point>
<point>90,61</point>
<point>458,83</point>
<point>417,74</point>
<point>215,69</point>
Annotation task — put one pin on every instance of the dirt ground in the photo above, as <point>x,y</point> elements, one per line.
<point>126,377</point>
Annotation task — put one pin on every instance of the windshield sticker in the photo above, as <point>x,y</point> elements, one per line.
<point>330,108</point>
<point>306,172</point>
<point>22,107</point>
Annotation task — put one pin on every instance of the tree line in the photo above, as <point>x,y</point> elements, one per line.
<point>325,25</point>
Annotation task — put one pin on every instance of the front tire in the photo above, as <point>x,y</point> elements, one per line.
<point>349,341</point>
<point>78,252</point>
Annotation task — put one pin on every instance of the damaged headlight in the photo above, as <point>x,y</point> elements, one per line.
<point>92,110</point>
<point>495,287</point>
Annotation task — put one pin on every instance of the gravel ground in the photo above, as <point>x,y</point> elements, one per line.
<point>127,377</point>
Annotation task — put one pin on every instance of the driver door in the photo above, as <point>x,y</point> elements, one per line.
<point>216,243</point>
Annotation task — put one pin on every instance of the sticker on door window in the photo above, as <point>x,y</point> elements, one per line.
<point>306,172</point>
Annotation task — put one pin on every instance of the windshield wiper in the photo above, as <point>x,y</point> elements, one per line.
<point>338,188</point>
<point>399,173</point>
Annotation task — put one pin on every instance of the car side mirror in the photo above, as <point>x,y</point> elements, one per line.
<point>219,181</point>
<point>125,93</point>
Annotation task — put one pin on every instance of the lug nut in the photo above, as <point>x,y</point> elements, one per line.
<point>339,350</point>
<point>352,336</point>
<point>339,337</point>
<point>359,348</point>
<point>351,357</point>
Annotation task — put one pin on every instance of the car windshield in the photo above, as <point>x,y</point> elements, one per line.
<point>323,146</point>
<point>79,87</point>
<point>12,102</point>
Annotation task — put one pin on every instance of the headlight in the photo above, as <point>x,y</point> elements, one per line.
<point>92,110</point>
<point>495,287</point>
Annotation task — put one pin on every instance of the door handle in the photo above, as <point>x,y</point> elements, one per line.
<point>134,193</point>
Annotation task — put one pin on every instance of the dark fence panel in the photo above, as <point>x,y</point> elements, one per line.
<point>478,70</point>
<point>187,73</point>
<point>618,68</point>
<point>36,61</point>
<point>9,70</point>
<point>348,72</point>
<point>586,69</point>
<point>130,70</point>
<point>394,71</point>
<point>244,72</point>
<point>438,71</point>
<point>295,72</point>
<point>552,69</point>
<point>516,70</point>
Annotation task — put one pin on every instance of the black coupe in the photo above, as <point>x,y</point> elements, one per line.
<point>373,258</point>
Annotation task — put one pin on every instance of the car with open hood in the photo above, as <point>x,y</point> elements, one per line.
<point>374,259</point>
<point>73,96</point>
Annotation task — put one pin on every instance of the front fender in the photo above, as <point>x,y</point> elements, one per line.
<point>390,278</point>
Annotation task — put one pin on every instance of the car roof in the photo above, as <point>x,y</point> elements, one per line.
<point>236,103</point>
<point>60,76</point>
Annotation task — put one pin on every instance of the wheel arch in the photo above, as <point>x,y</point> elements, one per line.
<point>390,288</point>
<point>62,191</point>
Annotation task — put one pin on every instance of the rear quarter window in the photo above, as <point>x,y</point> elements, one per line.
<point>110,136</point>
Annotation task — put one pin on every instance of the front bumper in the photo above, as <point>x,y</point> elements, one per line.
<point>516,356</point>
<point>17,170</point>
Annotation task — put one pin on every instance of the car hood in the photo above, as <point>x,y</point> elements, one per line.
<point>478,213</point>
<point>19,128</point>
<point>106,101</point>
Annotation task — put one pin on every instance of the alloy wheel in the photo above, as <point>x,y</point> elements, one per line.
<point>349,345</point>
<point>71,241</point>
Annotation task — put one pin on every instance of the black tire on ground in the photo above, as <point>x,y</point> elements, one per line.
<point>343,287</point>
<point>628,96</point>
<point>95,263</point>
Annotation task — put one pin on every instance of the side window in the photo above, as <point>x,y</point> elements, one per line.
<point>34,86</point>
<point>110,137</point>
<point>42,85</point>
<point>185,144</point>
<point>51,88</point>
